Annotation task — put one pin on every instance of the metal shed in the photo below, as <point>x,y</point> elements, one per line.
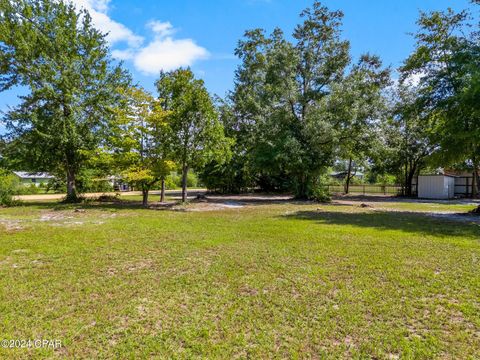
<point>436,187</point>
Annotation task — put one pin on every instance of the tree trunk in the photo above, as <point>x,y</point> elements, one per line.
<point>411,175</point>
<point>475,178</point>
<point>162,193</point>
<point>184,182</point>
<point>144,197</point>
<point>405,183</point>
<point>302,187</point>
<point>349,174</point>
<point>72,195</point>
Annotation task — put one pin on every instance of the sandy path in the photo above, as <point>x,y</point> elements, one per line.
<point>94,195</point>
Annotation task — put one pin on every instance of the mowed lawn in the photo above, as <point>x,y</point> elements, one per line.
<point>280,280</point>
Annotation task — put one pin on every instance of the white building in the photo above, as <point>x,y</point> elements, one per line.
<point>27,178</point>
<point>436,187</point>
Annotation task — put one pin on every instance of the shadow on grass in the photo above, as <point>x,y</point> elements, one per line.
<point>386,220</point>
<point>55,205</point>
<point>154,204</point>
<point>410,200</point>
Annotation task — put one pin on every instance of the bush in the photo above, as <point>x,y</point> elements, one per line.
<point>174,180</point>
<point>320,191</point>
<point>108,198</point>
<point>386,179</point>
<point>192,180</point>
<point>9,185</point>
<point>171,182</point>
<point>321,194</point>
<point>92,181</point>
<point>31,189</point>
<point>57,185</point>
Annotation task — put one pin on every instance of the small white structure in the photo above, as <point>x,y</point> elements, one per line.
<point>436,187</point>
<point>27,178</point>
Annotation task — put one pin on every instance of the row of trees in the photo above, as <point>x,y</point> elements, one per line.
<point>301,106</point>
<point>83,111</point>
<point>297,108</point>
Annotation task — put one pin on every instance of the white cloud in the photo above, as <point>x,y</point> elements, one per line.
<point>117,32</point>
<point>163,52</point>
<point>166,53</point>
<point>127,54</point>
<point>161,29</point>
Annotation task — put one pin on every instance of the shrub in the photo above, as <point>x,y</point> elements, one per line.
<point>31,189</point>
<point>174,180</point>
<point>386,179</point>
<point>321,194</point>
<point>320,191</point>
<point>192,179</point>
<point>9,185</point>
<point>171,182</point>
<point>108,198</point>
<point>57,185</point>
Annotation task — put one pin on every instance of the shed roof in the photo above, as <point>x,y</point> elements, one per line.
<point>447,175</point>
<point>29,175</point>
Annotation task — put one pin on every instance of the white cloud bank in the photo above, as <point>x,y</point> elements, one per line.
<point>162,52</point>
<point>166,53</point>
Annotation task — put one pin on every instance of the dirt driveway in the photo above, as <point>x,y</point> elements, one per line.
<point>94,195</point>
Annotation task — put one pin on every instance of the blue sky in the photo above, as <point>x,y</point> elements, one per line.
<point>153,34</point>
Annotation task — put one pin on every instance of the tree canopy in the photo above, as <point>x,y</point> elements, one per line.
<point>197,135</point>
<point>300,105</point>
<point>53,50</point>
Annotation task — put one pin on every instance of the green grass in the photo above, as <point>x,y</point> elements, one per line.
<point>425,206</point>
<point>264,281</point>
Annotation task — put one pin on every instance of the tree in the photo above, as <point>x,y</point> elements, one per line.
<point>281,95</point>
<point>136,142</point>
<point>447,61</point>
<point>53,50</point>
<point>197,134</point>
<point>407,134</point>
<point>357,105</point>
<point>233,176</point>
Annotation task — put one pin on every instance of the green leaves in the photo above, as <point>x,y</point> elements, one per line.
<point>447,61</point>
<point>293,105</point>
<point>52,49</point>
<point>197,136</point>
<point>138,139</point>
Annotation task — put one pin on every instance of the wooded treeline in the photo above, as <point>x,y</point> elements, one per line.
<point>298,107</point>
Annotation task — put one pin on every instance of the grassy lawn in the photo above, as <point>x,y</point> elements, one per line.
<point>283,280</point>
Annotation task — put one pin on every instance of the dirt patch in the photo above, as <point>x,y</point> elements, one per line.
<point>11,225</point>
<point>226,202</point>
<point>209,206</point>
<point>247,291</point>
<point>74,217</point>
<point>55,216</point>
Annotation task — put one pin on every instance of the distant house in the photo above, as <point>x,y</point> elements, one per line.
<point>341,175</point>
<point>118,184</point>
<point>27,178</point>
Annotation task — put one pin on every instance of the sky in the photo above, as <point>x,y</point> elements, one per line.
<point>150,35</point>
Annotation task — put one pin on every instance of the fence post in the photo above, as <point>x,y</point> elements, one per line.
<point>364,190</point>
